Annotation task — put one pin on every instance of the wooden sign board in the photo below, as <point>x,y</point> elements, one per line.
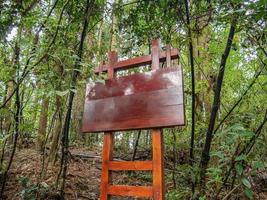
<point>139,101</point>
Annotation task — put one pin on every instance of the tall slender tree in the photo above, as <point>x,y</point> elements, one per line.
<point>66,127</point>
<point>205,157</point>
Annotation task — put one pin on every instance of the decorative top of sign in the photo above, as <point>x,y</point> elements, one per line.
<point>144,100</point>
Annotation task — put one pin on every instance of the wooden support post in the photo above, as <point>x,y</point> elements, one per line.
<point>158,165</point>
<point>157,142</point>
<point>155,54</point>
<point>107,154</point>
<point>168,55</point>
<point>112,59</point>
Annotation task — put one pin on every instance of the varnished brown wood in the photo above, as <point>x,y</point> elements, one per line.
<point>148,100</point>
<point>113,57</point>
<point>158,165</point>
<point>136,62</point>
<point>168,55</point>
<point>107,155</point>
<point>129,114</point>
<point>155,54</point>
<point>138,101</point>
<point>108,144</point>
<point>130,165</point>
<point>135,83</point>
<point>124,190</point>
<point>157,143</point>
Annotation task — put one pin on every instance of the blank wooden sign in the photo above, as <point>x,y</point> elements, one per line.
<point>146,100</point>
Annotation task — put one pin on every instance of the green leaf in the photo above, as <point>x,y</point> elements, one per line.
<point>239,169</point>
<point>62,93</point>
<point>241,157</point>
<point>249,193</point>
<point>73,90</point>
<point>218,154</point>
<point>240,10</point>
<point>258,165</point>
<point>238,128</point>
<point>246,182</point>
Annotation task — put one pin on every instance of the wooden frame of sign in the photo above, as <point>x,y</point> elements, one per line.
<point>151,100</point>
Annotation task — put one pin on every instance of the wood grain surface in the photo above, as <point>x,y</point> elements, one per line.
<point>147,100</point>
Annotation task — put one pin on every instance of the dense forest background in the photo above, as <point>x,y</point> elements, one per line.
<point>48,52</point>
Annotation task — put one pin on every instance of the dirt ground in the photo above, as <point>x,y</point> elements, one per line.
<point>82,183</point>
<point>83,178</point>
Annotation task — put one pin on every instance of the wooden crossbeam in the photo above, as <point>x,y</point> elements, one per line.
<point>130,165</point>
<point>125,190</point>
<point>138,61</point>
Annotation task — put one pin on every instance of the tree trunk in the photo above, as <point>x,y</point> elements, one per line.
<point>56,133</point>
<point>41,133</point>
<point>7,119</point>
<point>191,56</point>
<point>136,145</point>
<point>209,136</point>
<point>113,29</point>
<point>17,116</point>
<point>77,114</point>
<point>66,127</point>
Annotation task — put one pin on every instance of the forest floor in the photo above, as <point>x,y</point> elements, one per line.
<point>82,180</point>
<point>82,183</point>
<point>83,177</point>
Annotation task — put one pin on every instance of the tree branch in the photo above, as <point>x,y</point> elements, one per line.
<point>240,99</point>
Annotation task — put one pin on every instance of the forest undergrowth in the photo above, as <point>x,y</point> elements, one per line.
<point>84,174</point>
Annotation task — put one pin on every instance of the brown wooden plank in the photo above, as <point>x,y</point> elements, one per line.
<point>136,83</point>
<point>136,62</point>
<point>135,102</point>
<point>124,190</point>
<point>161,108</point>
<point>130,165</point>
<point>107,155</point>
<point>158,165</point>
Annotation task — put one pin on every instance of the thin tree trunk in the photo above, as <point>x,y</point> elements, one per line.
<point>66,127</point>
<point>99,42</point>
<point>17,116</point>
<point>7,121</point>
<point>174,158</point>
<point>56,133</point>
<point>136,145</point>
<point>41,133</point>
<point>113,35</point>
<point>16,135</point>
<point>2,154</point>
<point>205,157</point>
<point>191,56</point>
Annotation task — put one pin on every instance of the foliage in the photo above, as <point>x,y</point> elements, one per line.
<point>44,37</point>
